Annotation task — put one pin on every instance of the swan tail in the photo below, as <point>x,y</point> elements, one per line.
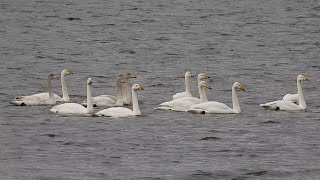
<point>196,111</point>
<point>269,106</point>
<point>18,103</point>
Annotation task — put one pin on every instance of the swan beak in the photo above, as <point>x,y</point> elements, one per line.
<point>206,77</point>
<point>306,78</point>
<point>209,87</point>
<point>54,77</point>
<point>242,88</point>
<point>140,88</point>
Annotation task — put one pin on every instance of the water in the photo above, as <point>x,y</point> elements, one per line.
<point>262,44</point>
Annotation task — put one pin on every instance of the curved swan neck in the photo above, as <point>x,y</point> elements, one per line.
<point>135,104</point>
<point>65,94</point>
<point>187,83</point>
<point>89,99</point>
<point>302,102</point>
<point>119,92</point>
<point>202,93</point>
<point>235,102</point>
<point>51,95</point>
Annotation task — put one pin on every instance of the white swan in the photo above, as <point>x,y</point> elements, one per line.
<point>34,100</point>
<point>289,105</point>
<point>76,109</point>
<point>184,103</point>
<point>65,95</point>
<point>217,107</point>
<point>122,94</point>
<point>187,93</point>
<point>121,111</point>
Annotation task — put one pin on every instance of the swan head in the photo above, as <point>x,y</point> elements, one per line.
<point>188,74</point>
<point>89,81</point>
<point>204,84</point>
<point>203,76</point>
<point>302,78</point>
<point>120,80</point>
<point>127,75</point>
<point>67,72</point>
<point>238,86</point>
<point>137,87</point>
<point>52,76</point>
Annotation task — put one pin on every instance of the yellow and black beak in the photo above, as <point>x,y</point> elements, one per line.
<point>242,88</point>
<point>305,78</point>
<point>140,88</point>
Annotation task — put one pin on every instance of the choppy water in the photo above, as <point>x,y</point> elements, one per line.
<point>262,44</point>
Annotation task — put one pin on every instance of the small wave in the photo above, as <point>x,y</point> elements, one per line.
<point>210,138</point>
<point>271,122</point>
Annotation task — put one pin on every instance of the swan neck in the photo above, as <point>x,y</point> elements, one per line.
<point>135,104</point>
<point>126,93</point>
<point>235,101</point>
<point>202,93</point>
<point>119,92</point>
<point>89,99</point>
<point>187,84</point>
<point>51,95</point>
<point>65,94</point>
<point>302,102</point>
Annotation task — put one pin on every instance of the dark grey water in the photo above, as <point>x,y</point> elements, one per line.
<point>262,44</point>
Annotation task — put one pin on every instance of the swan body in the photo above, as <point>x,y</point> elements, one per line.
<point>289,105</point>
<point>37,99</point>
<point>121,111</point>
<point>122,94</point>
<point>291,97</point>
<point>217,107</point>
<point>184,103</point>
<point>75,109</point>
<point>65,96</point>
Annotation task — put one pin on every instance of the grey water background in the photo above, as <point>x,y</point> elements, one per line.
<point>262,44</point>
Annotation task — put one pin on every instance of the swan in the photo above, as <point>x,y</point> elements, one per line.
<point>122,94</point>
<point>184,103</point>
<point>217,107</point>
<point>65,95</point>
<point>34,100</point>
<point>121,111</point>
<point>289,105</point>
<point>187,93</point>
<point>75,108</point>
